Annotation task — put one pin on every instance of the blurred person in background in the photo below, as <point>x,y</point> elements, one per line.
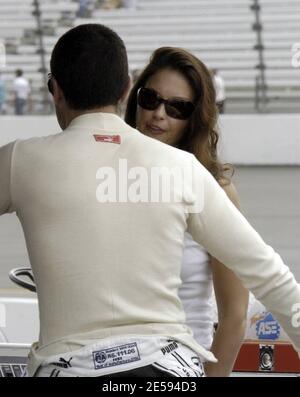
<point>110,4</point>
<point>22,92</point>
<point>83,9</point>
<point>177,76</point>
<point>219,84</point>
<point>135,74</point>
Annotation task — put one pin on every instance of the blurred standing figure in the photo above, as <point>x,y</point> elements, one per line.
<point>135,75</point>
<point>110,4</point>
<point>84,9</point>
<point>220,90</point>
<point>22,91</point>
<point>2,94</point>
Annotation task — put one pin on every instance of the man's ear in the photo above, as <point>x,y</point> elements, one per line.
<point>127,90</point>
<point>58,94</point>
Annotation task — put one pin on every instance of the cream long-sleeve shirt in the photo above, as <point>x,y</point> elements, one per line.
<point>112,268</point>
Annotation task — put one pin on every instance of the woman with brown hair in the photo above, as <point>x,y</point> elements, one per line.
<point>173,100</point>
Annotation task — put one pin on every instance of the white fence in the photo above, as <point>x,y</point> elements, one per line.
<point>245,139</point>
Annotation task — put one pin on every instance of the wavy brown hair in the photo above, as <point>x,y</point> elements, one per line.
<point>201,136</point>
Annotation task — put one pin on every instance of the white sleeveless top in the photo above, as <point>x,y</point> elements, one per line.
<point>196,291</point>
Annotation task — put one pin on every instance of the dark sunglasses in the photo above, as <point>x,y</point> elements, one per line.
<point>176,108</point>
<point>49,83</point>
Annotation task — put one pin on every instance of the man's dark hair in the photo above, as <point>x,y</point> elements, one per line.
<point>19,72</point>
<point>89,62</point>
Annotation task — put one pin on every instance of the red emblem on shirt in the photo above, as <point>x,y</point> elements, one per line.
<point>108,138</point>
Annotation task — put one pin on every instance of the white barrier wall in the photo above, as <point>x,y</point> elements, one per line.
<point>260,139</point>
<point>245,139</point>
<point>23,127</point>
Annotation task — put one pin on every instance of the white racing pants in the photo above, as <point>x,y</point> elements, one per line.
<point>142,356</point>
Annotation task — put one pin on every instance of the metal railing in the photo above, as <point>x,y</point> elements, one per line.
<point>261,96</point>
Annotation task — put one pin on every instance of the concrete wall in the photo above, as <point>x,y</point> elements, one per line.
<point>23,127</point>
<point>245,139</point>
<point>260,139</point>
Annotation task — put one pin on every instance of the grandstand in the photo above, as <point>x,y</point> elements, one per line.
<point>220,32</point>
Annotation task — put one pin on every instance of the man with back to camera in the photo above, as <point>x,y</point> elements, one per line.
<point>107,265</point>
